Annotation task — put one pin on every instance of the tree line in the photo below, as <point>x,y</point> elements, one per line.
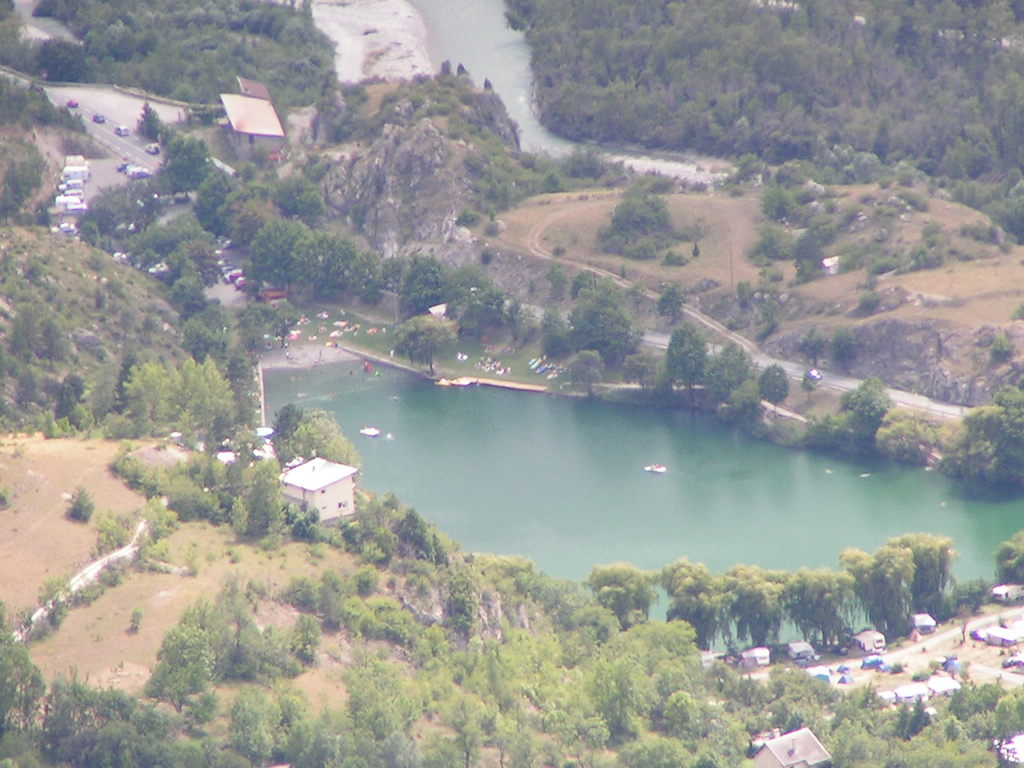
<point>936,85</point>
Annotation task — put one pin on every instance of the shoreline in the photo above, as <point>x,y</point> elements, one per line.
<point>384,39</point>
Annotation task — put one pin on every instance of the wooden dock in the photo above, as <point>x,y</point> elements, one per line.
<point>465,381</point>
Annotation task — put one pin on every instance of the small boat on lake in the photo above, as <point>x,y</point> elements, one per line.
<point>369,432</point>
<point>657,469</point>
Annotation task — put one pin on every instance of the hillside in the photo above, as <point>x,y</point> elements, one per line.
<point>70,314</point>
<point>924,284</point>
<point>382,642</point>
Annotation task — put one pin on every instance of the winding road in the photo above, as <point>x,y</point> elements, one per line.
<point>831,380</point>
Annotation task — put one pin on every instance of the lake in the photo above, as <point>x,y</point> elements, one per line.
<point>561,480</point>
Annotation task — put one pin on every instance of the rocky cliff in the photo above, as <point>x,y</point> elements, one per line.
<point>929,357</point>
<point>405,187</point>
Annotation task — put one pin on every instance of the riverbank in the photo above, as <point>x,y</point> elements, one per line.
<point>384,39</point>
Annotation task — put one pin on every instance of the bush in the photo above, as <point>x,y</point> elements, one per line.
<point>82,506</point>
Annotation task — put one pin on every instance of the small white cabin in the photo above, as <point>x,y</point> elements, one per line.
<point>323,485</point>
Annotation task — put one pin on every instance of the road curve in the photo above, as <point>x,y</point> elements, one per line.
<point>831,380</point>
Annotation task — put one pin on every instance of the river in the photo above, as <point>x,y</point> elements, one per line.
<point>561,481</point>
<point>474,33</point>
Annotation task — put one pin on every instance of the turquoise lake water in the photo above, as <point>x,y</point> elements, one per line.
<point>561,481</point>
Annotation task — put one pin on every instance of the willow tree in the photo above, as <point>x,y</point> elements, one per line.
<point>883,585</point>
<point>623,589</point>
<point>695,595</point>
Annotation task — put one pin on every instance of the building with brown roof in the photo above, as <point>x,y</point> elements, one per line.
<point>797,749</point>
<point>253,88</point>
<point>253,124</point>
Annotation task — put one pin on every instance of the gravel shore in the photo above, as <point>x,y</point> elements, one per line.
<point>374,38</point>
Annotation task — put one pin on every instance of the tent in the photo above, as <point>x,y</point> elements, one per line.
<point>872,662</point>
<point>820,673</point>
<point>1003,636</point>
<point>942,686</point>
<point>801,649</point>
<point>912,692</point>
<point>845,679</point>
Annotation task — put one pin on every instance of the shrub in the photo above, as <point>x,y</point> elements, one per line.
<point>82,506</point>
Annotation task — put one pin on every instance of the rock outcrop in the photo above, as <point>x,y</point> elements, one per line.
<point>928,357</point>
<point>405,189</point>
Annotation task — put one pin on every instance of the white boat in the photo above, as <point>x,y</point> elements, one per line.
<point>369,432</point>
<point>658,469</point>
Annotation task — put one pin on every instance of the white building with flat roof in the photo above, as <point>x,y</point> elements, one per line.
<point>326,486</point>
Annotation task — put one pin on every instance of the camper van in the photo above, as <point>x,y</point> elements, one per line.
<point>1007,593</point>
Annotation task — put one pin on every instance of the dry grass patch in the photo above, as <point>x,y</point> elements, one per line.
<point>95,639</point>
<point>37,541</point>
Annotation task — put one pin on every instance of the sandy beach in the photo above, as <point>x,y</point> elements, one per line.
<point>305,356</point>
<point>374,38</point>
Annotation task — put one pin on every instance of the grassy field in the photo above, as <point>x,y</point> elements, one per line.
<point>978,283</point>
<point>37,541</point>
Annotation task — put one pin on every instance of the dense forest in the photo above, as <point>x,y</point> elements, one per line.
<point>938,83</point>
<point>185,50</point>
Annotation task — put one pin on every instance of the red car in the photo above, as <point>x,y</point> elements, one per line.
<point>71,104</point>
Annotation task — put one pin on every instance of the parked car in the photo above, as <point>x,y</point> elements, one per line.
<point>71,104</point>
<point>98,118</point>
<point>138,172</point>
<point>1016,661</point>
<point>153,149</point>
<point>122,130</point>
<point>123,167</point>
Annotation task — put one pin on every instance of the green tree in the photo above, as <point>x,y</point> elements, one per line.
<point>641,367</point>
<point>1010,560</point>
<point>726,371</point>
<point>686,358</point>
<point>623,589</point>
<point>555,338</point>
<point>251,730</point>
<point>865,406</point>
<point>601,322</point>
<point>186,163</point>
<point>421,285</point>
<point>211,207</point>
<point>82,506</point>
<point>316,434</point>
<point>883,585</point>
<point>21,684</point>
<point>695,595</point>
<point>149,124</point>
<point>906,437</point>
<point>933,562</point>
<point>754,602</point>
<point>585,368</point>
<point>297,196</point>
<point>186,661</point>
<point>619,693</point>
<point>670,302</point>
<point>273,251</point>
<point>812,345</point>
<point>305,639</point>
<point>420,338</point>
<point>989,447</point>
<point>819,602</point>
<point>773,384</point>
<point>843,347</point>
